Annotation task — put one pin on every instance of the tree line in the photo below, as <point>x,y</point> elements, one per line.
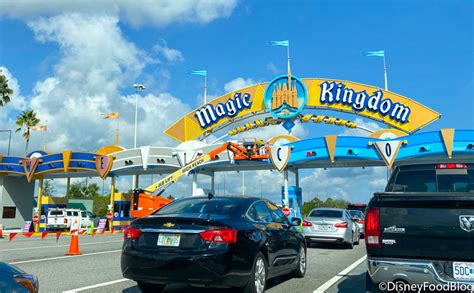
<point>81,190</point>
<point>328,203</point>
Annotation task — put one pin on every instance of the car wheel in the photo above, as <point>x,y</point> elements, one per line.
<point>358,238</point>
<point>258,277</point>
<point>147,287</point>
<point>302,261</point>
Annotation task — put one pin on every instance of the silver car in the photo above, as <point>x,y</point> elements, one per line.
<point>360,220</point>
<point>331,225</point>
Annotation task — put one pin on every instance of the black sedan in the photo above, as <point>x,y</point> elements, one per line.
<point>223,242</point>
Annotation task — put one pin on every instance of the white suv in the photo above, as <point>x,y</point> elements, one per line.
<point>61,218</point>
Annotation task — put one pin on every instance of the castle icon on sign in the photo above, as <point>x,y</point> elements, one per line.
<point>285,97</point>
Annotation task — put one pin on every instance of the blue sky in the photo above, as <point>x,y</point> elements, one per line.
<point>428,45</point>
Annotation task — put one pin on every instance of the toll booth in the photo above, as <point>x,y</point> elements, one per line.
<point>49,202</point>
<point>295,200</point>
<point>121,216</point>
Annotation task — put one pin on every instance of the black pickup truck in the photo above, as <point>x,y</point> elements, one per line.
<point>421,229</point>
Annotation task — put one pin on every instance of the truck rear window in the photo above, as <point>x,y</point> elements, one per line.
<point>433,180</point>
<point>55,213</point>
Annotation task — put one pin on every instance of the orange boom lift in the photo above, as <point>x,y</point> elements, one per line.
<point>144,202</point>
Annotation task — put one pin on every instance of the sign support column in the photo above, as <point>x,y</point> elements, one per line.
<point>286,201</point>
<point>112,195</point>
<point>194,184</point>
<point>297,178</point>
<point>38,203</point>
<point>213,183</point>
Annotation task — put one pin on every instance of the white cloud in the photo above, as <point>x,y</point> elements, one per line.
<point>97,63</point>
<point>351,184</point>
<point>136,13</point>
<point>238,83</point>
<point>361,132</point>
<point>171,55</point>
<point>8,115</point>
<point>379,183</point>
<point>18,102</point>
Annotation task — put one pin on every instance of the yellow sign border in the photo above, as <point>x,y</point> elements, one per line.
<point>189,128</point>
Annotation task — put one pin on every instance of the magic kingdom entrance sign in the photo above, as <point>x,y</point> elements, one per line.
<point>285,97</point>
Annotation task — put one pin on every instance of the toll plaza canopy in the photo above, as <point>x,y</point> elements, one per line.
<point>446,145</point>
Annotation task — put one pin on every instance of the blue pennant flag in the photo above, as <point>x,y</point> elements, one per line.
<point>375,53</point>
<point>198,72</point>
<point>284,43</point>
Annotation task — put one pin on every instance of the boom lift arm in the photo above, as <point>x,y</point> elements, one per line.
<point>249,150</point>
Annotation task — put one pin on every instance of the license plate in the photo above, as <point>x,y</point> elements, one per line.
<point>168,239</point>
<point>463,271</point>
<point>324,227</point>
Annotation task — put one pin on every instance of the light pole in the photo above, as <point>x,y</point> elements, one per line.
<point>9,139</point>
<point>139,88</point>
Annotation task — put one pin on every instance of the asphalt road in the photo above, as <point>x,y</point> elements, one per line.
<point>330,268</point>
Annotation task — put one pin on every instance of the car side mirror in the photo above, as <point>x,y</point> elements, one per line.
<point>295,221</point>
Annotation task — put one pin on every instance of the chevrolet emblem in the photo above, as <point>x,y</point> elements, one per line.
<point>168,225</point>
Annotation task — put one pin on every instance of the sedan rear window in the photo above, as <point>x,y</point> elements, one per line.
<point>326,214</point>
<point>215,206</point>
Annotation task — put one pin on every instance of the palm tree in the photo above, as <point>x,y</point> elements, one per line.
<point>26,120</point>
<point>5,91</point>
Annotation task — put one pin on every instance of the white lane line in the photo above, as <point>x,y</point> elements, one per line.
<point>337,277</point>
<point>53,246</point>
<point>61,257</point>
<point>95,286</point>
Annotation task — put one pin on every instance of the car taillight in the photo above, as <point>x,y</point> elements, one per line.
<point>451,166</point>
<point>372,228</point>
<point>307,223</point>
<point>226,235</point>
<point>65,220</point>
<point>341,225</point>
<point>360,221</point>
<point>28,281</point>
<point>132,233</point>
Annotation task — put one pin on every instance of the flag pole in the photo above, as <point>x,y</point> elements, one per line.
<point>385,72</point>
<point>205,88</point>
<point>116,136</point>
<point>288,53</point>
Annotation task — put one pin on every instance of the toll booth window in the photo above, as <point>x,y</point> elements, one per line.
<point>9,212</point>
<point>126,210</point>
<point>116,208</point>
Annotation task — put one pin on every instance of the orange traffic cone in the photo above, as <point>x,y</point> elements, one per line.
<point>74,245</point>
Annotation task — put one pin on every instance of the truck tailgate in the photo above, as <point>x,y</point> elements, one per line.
<point>427,225</point>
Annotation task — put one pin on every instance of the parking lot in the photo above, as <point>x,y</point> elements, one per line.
<point>330,268</point>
